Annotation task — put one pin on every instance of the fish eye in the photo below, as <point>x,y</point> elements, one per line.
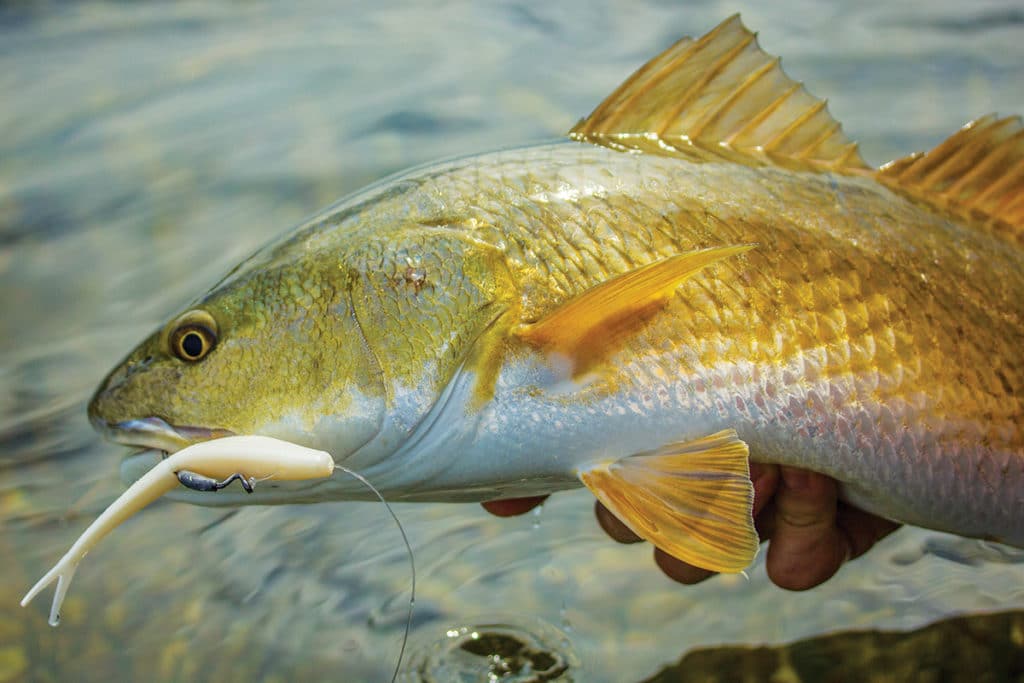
<point>193,336</point>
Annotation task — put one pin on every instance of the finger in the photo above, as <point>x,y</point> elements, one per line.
<point>807,547</point>
<point>765,479</point>
<point>862,529</point>
<point>510,507</point>
<point>766,482</point>
<point>613,526</point>
<point>680,571</point>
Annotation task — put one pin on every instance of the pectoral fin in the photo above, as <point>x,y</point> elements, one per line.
<point>694,500</point>
<point>590,325</point>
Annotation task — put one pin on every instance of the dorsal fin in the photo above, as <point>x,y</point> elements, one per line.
<point>721,96</point>
<point>977,173</point>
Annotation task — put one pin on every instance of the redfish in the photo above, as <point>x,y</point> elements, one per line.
<point>706,273</point>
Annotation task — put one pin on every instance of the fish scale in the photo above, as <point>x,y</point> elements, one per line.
<point>707,274</point>
<point>827,331</point>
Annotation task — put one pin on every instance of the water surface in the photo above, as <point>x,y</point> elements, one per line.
<point>148,147</point>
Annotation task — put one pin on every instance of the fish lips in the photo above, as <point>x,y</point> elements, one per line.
<point>156,433</point>
<point>154,438</point>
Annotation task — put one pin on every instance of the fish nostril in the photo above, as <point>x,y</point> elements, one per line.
<point>130,369</point>
<point>119,376</point>
<point>116,378</point>
<point>140,365</point>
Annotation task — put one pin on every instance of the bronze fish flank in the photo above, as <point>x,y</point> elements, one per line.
<point>708,268</point>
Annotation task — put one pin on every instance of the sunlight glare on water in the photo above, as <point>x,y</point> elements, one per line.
<point>148,147</point>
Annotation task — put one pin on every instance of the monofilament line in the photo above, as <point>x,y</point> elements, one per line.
<point>412,562</point>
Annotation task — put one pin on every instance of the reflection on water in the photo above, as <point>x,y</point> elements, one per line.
<point>148,147</point>
<point>981,647</point>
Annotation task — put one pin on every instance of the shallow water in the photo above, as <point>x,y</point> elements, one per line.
<point>148,147</point>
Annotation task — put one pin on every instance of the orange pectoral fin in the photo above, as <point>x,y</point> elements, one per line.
<point>694,500</point>
<point>589,325</point>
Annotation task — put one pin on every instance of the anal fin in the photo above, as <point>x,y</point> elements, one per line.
<point>694,500</point>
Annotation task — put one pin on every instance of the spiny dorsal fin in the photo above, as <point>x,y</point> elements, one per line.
<point>721,95</point>
<point>978,173</point>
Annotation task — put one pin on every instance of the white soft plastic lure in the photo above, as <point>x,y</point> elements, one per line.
<point>258,457</point>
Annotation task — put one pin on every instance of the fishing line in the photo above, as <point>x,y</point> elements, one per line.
<point>412,562</point>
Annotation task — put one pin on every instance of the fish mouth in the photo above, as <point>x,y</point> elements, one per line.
<point>154,433</point>
<point>153,438</point>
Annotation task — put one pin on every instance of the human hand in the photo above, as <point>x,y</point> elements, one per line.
<point>812,532</point>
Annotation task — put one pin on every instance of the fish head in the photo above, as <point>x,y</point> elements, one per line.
<point>277,352</point>
<point>343,348</point>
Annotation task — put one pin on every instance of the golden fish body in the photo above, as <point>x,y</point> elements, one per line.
<point>424,332</point>
<point>865,336</point>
